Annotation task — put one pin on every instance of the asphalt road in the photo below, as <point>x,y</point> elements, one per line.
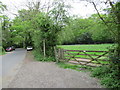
<point>10,64</point>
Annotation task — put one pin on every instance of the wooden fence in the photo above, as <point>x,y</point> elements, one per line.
<point>90,58</point>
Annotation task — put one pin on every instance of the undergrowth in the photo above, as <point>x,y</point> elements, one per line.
<point>2,51</point>
<point>108,77</point>
<point>40,57</point>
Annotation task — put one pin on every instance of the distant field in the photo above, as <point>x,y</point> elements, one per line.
<point>90,47</point>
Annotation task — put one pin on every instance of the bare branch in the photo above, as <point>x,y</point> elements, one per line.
<point>102,18</point>
<point>99,13</point>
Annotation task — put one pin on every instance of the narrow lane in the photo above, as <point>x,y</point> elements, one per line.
<point>10,64</point>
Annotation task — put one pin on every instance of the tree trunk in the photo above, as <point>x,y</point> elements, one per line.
<point>44,48</point>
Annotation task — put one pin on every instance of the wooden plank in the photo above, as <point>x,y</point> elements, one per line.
<point>77,62</point>
<point>82,54</point>
<point>84,60</point>
<point>89,64</point>
<point>65,59</point>
<point>101,55</point>
<point>87,58</point>
<point>103,60</point>
<point>83,51</point>
<point>92,64</point>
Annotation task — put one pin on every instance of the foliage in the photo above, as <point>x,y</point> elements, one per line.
<point>21,31</point>
<point>6,33</point>
<point>45,32</point>
<point>2,51</point>
<point>59,12</point>
<point>38,28</point>
<point>100,35</point>
<point>112,22</point>
<point>85,38</point>
<point>40,57</point>
<point>87,30</point>
<point>74,28</point>
<point>2,7</point>
<point>108,77</point>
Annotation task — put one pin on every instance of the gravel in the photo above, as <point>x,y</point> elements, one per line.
<point>34,74</point>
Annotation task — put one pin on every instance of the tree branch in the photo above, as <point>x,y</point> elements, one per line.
<point>102,18</point>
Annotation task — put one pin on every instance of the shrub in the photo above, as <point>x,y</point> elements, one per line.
<point>110,82</point>
<point>108,76</point>
<point>40,57</point>
<point>2,50</point>
<point>100,72</point>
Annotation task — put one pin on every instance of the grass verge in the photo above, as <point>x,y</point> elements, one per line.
<point>74,67</point>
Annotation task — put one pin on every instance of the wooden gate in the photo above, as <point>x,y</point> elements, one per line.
<point>90,58</point>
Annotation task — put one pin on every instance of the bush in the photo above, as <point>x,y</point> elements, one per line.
<point>84,38</point>
<point>40,57</point>
<point>100,72</point>
<point>108,77</point>
<point>110,82</point>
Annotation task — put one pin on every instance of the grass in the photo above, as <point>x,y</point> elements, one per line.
<point>74,67</point>
<point>90,47</point>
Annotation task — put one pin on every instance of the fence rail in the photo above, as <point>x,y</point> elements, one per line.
<point>83,51</point>
<point>78,57</point>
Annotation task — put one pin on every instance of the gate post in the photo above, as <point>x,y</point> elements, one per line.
<point>56,54</point>
<point>62,53</point>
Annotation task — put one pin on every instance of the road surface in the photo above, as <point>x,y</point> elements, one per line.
<point>35,74</point>
<point>11,63</point>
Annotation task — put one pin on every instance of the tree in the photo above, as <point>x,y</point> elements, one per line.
<point>6,33</point>
<point>74,30</point>
<point>44,30</point>
<point>114,13</point>
<point>100,33</point>
<point>2,7</point>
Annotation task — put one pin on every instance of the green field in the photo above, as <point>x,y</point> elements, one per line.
<point>90,47</point>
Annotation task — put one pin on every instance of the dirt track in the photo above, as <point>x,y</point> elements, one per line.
<point>34,74</point>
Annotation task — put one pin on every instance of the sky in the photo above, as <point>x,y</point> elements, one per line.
<point>79,7</point>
